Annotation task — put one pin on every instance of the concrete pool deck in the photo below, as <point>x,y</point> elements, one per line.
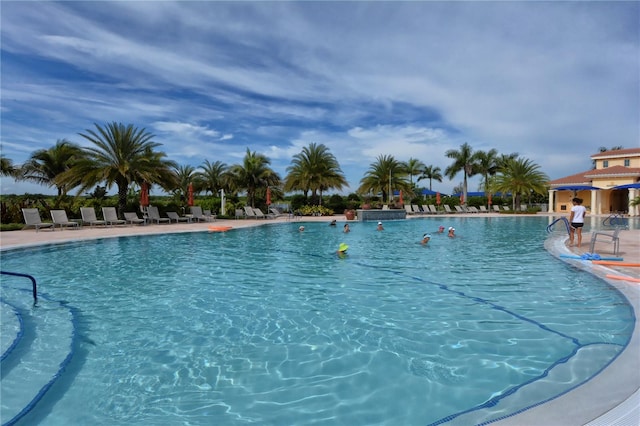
<point>610,398</point>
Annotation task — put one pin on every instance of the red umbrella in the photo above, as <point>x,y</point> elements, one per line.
<point>489,199</point>
<point>190,199</point>
<point>461,198</point>
<point>144,194</point>
<point>268,196</point>
<point>437,198</point>
<point>400,198</point>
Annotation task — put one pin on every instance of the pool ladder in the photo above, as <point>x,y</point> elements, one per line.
<point>561,219</point>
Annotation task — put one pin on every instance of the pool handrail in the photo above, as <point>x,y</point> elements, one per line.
<point>563,219</point>
<point>34,285</point>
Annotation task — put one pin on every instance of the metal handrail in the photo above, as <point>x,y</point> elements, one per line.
<point>566,223</point>
<point>33,282</point>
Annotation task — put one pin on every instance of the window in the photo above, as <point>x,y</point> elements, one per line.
<point>627,162</point>
<point>605,164</point>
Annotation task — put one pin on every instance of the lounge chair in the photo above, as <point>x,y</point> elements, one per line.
<point>197,214</point>
<point>89,216</point>
<point>433,209</point>
<point>416,209</point>
<point>447,209</point>
<point>132,218</point>
<point>506,208</point>
<point>277,213</point>
<point>472,209</point>
<point>496,208</point>
<point>211,216</point>
<point>110,216</point>
<point>459,209</point>
<point>385,207</point>
<point>32,218</point>
<point>59,218</point>
<point>251,214</point>
<point>408,209</point>
<point>240,214</point>
<point>612,237</point>
<point>259,213</point>
<point>154,215</point>
<point>175,217</point>
<point>483,209</point>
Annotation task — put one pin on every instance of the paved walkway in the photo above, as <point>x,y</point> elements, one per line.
<point>611,398</point>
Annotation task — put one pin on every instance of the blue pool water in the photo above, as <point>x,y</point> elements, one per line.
<point>268,326</point>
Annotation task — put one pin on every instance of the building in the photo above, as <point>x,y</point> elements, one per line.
<point>608,188</point>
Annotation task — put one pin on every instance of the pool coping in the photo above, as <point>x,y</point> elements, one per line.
<point>581,406</point>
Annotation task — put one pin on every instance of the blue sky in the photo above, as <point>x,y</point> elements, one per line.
<point>552,81</point>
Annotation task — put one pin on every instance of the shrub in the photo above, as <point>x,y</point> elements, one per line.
<point>315,211</point>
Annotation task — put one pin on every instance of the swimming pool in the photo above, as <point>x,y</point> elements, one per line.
<point>266,325</point>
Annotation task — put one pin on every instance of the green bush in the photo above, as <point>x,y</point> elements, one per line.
<point>315,211</point>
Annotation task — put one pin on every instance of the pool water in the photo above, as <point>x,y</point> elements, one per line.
<point>269,326</point>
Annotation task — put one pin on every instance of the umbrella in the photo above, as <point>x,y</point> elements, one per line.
<point>437,198</point>
<point>144,194</point>
<point>428,192</point>
<point>268,196</point>
<point>489,199</point>
<point>401,201</point>
<point>461,198</point>
<point>190,198</point>
<point>628,186</point>
<point>575,188</point>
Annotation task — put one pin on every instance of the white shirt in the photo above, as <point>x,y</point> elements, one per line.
<point>578,213</point>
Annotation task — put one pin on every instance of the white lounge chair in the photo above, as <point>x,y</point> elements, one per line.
<point>277,213</point>
<point>483,209</point>
<point>89,216</point>
<point>459,209</point>
<point>32,218</point>
<point>175,217</point>
<point>251,214</point>
<point>259,213</point>
<point>59,218</point>
<point>240,214</point>
<point>447,208</point>
<point>496,208</point>
<point>154,215</point>
<point>472,209</point>
<point>211,216</point>
<point>110,216</point>
<point>132,218</point>
<point>408,209</point>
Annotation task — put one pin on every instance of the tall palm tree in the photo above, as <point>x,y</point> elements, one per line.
<point>8,169</point>
<point>413,168</point>
<point>122,155</point>
<point>184,175</point>
<point>211,178</point>
<point>385,175</point>
<point>431,173</point>
<point>487,166</point>
<point>254,173</point>
<point>463,160</point>
<point>314,169</point>
<point>44,166</point>
<point>520,176</point>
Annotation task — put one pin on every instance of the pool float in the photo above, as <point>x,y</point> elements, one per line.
<point>589,256</point>
<point>620,277</point>
<point>219,228</point>
<point>625,264</point>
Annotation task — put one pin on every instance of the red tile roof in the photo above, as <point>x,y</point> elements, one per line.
<point>631,152</point>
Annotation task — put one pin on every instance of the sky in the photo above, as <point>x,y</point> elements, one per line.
<point>551,81</point>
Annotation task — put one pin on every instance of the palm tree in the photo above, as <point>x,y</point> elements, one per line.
<point>184,175</point>
<point>385,175</point>
<point>122,155</point>
<point>431,173</point>
<point>314,169</point>
<point>463,160</point>
<point>521,177</point>
<point>252,174</point>
<point>8,169</point>
<point>413,167</point>
<point>487,166</point>
<point>46,165</point>
<point>212,178</point>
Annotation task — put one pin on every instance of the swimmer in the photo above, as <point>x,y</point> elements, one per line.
<point>301,228</point>
<point>342,250</point>
<point>333,223</point>
<point>380,227</point>
<point>346,228</point>
<point>452,232</point>
<point>425,239</point>
<point>440,229</point>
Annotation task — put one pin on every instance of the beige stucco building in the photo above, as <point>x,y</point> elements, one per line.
<point>600,187</point>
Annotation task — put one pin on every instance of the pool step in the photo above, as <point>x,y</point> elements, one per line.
<point>37,358</point>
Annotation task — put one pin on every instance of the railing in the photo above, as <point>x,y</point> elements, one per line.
<point>564,220</point>
<point>616,220</point>
<point>33,282</point>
